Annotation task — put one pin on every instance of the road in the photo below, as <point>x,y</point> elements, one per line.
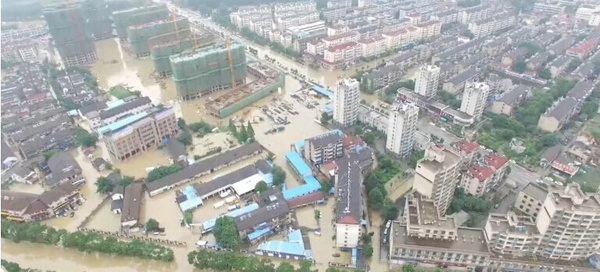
<point>521,177</point>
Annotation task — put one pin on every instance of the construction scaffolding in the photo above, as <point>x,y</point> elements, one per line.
<point>66,24</point>
<point>143,37</point>
<point>123,19</point>
<point>204,70</point>
<point>98,23</point>
<point>160,53</point>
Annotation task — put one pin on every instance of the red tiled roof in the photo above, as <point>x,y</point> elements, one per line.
<point>328,166</point>
<point>339,36</point>
<point>584,46</point>
<point>305,200</point>
<point>467,147</point>
<point>495,161</point>
<point>350,220</point>
<point>36,96</point>
<point>481,173</point>
<point>350,140</point>
<point>342,46</point>
<point>396,32</point>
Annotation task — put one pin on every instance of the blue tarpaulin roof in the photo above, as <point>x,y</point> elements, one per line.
<point>298,163</point>
<point>295,237</point>
<point>327,109</point>
<point>312,185</point>
<point>282,247</point>
<point>322,91</point>
<point>192,200</point>
<point>122,123</point>
<point>258,234</point>
<point>300,145</point>
<point>354,259</point>
<point>112,104</point>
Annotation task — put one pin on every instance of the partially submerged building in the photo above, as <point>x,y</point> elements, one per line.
<point>26,207</point>
<point>142,38</point>
<point>205,70</point>
<point>62,168</point>
<point>123,19</point>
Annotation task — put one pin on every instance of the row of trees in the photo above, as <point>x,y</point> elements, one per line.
<point>226,261</point>
<point>245,134</point>
<point>163,171</point>
<point>15,267</point>
<point>85,242</point>
<point>375,181</point>
<point>105,185</point>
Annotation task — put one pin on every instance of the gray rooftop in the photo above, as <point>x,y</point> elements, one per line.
<point>223,181</point>
<point>581,90</point>
<point>348,190</point>
<point>464,76</point>
<point>403,57</point>
<point>92,108</point>
<point>32,121</point>
<point>6,151</point>
<point>326,139</point>
<point>469,241</point>
<point>267,211</point>
<point>132,202</point>
<point>61,165</point>
<point>41,129</point>
<point>536,191</point>
<point>562,109</point>
<point>125,107</point>
<point>515,95</point>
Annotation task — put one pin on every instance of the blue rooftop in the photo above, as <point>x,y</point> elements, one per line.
<point>312,185</point>
<point>282,247</point>
<point>300,145</point>
<point>323,91</point>
<point>122,123</point>
<point>209,224</point>
<point>295,237</point>
<point>192,201</point>
<point>116,103</point>
<point>298,163</point>
<point>258,234</point>
<point>327,109</point>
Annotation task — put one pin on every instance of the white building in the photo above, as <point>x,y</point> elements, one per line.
<point>346,99</point>
<point>474,98</point>
<point>345,52</point>
<point>595,19</point>
<point>401,129</point>
<point>585,12</point>
<point>428,80</point>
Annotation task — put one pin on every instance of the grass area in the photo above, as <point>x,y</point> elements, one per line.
<point>120,92</point>
<point>589,181</point>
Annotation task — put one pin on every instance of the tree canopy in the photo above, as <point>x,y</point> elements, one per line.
<point>228,261</point>
<point>162,171</point>
<point>103,185</point>
<point>226,233</point>
<point>85,139</point>
<point>278,175</point>
<point>261,186</point>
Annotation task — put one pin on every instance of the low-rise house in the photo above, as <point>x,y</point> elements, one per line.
<point>324,148</point>
<point>558,114</point>
<point>477,180</point>
<point>100,164</point>
<point>132,203</point>
<point>584,49</point>
<point>26,207</point>
<point>456,84</point>
<point>272,214</point>
<point>373,118</point>
<point>559,65</point>
<point>467,150</point>
<point>555,158</point>
<point>63,168</point>
<point>581,91</point>
<point>510,101</point>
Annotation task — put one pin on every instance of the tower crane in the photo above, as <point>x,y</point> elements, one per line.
<point>230,58</point>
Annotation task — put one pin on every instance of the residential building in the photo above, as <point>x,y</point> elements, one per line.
<point>510,101</point>
<point>467,150</point>
<point>334,13</point>
<point>324,148</point>
<point>384,76</point>
<point>594,19</point>
<point>373,118</point>
<point>348,187</point>
<point>581,91</point>
<point>372,46</point>
<point>132,204</point>
<point>475,14</point>
<point>345,102</point>
<point>548,8</point>
<point>63,168</point>
<point>512,235</point>
<point>341,53</point>
<point>583,49</point>
<point>585,12</point>
<point>401,129</point>
<point>446,17</point>
<point>138,133</point>
<point>559,162</point>
<point>477,180</point>
<point>351,36</point>
<point>119,111</point>
<point>26,207</point>
<point>531,199</point>
<point>273,213</point>
<point>427,81</point>
<point>456,84</point>
<point>430,29</point>
<point>488,26</point>
<point>436,176</point>
<point>474,98</point>
<point>559,65</point>
<point>558,114</point>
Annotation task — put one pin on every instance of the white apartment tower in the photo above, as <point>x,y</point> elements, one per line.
<point>402,126</point>
<point>474,98</point>
<point>428,80</point>
<point>436,176</point>
<point>345,101</point>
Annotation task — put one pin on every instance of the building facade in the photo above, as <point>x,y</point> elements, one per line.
<point>345,102</point>
<point>428,80</point>
<point>401,129</point>
<point>474,98</point>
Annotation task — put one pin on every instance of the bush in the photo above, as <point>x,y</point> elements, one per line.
<point>162,171</point>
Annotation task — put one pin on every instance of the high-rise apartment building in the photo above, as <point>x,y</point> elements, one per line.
<point>346,99</point>
<point>402,126</point>
<point>436,176</point>
<point>474,98</point>
<point>428,80</point>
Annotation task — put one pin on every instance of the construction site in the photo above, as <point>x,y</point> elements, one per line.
<point>143,37</point>
<point>160,53</point>
<point>201,71</point>
<point>123,19</point>
<point>268,81</point>
<point>98,23</point>
<point>67,24</point>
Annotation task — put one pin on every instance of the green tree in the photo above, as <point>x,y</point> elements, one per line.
<point>408,268</point>
<point>519,67</point>
<point>232,127</point>
<point>188,217</point>
<point>162,171</point>
<point>226,233</point>
<point>185,138</point>
<point>389,211</point>
<point>317,215</point>
<point>590,109</point>
<point>261,186</point>
<point>550,140</point>
<point>84,138</point>
<point>278,175</point>
<point>250,130</point>
<point>368,250</point>
<point>325,118</point>
<point>152,225</point>
<point>325,186</point>
<point>103,185</point>
<point>369,137</point>
<point>243,136</point>
<point>10,266</point>
<point>375,198</point>
<point>49,153</point>
<point>181,123</point>
<point>126,180</point>
<point>544,73</point>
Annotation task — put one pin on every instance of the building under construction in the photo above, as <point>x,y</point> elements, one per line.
<point>143,37</point>
<point>123,19</point>
<point>98,23</point>
<point>269,81</point>
<point>66,24</point>
<point>204,70</point>
<point>160,53</point>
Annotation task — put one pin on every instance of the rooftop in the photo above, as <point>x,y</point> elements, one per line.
<point>332,137</point>
<point>422,212</point>
<point>536,191</point>
<point>495,160</point>
<point>348,191</point>
<point>62,165</point>
<point>467,147</point>
<point>469,241</point>
<point>562,109</point>
<point>435,163</point>
<point>267,212</point>
<point>464,76</point>
<point>482,173</point>
<point>125,107</point>
<point>581,90</point>
<point>515,95</point>
<point>132,202</point>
